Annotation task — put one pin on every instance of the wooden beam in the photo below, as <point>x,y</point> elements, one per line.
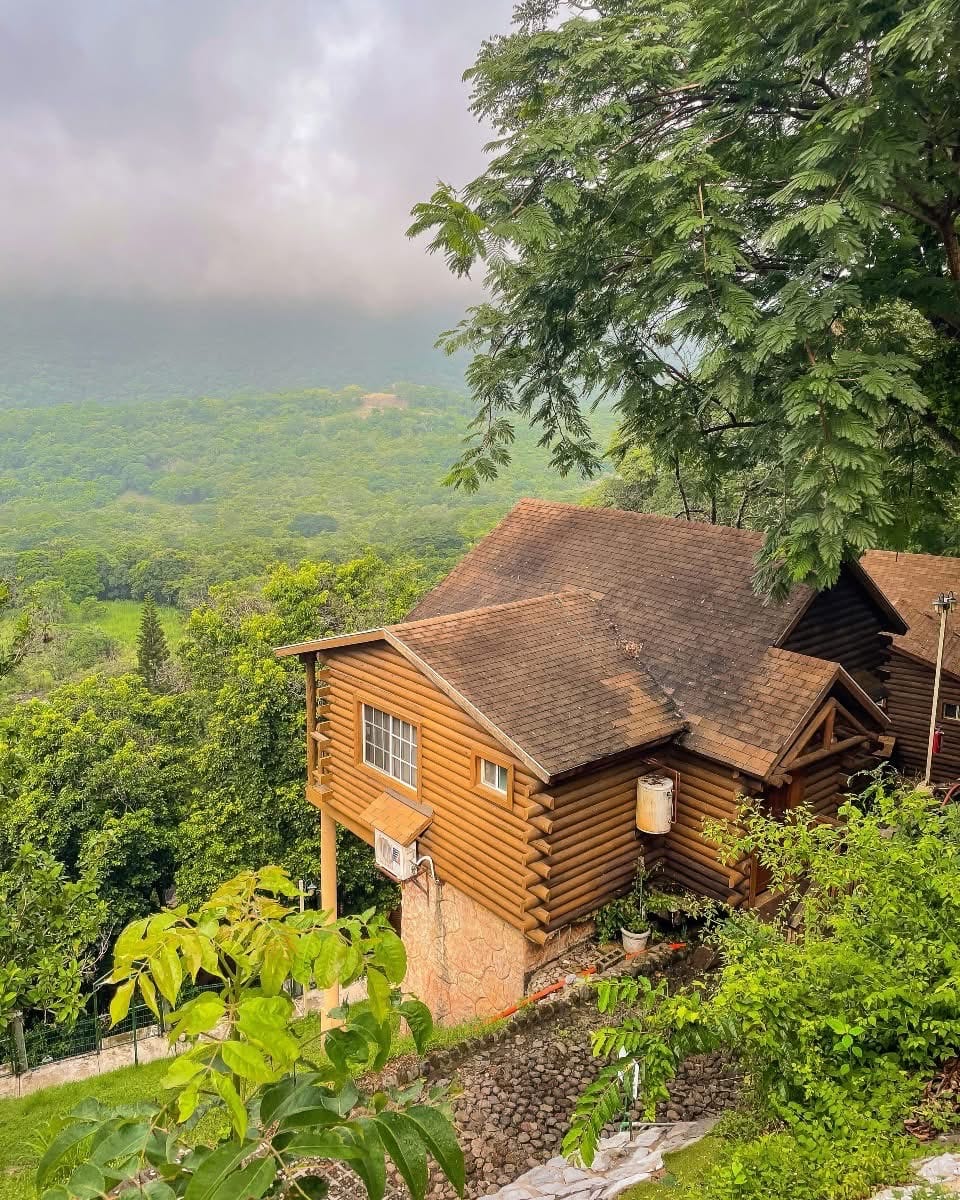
<point>805,736</point>
<point>836,748</point>
<point>328,897</point>
<point>311,665</point>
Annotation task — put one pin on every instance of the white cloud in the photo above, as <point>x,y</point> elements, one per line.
<point>231,148</point>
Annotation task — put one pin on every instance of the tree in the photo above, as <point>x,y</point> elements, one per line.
<point>47,926</point>
<point>152,651</point>
<point>249,708</point>
<point>16,644</point>
<point>740,223</point>
<point>98,775</point>
<point>277,1098</point>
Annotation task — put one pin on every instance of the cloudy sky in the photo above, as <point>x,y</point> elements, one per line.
<point>232,148</point>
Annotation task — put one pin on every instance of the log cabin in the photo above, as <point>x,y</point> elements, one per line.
<point>493,741</point>
<point>912,582</point>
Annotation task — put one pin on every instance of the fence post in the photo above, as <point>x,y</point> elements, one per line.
<point>96,1023</point>
<point>19,1043</point>
<point>133,1021</point>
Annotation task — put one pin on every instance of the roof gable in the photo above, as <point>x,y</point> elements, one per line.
<point>548,677</point>
<point>912,582</point>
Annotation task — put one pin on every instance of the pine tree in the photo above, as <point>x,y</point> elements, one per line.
<point>152,649</point>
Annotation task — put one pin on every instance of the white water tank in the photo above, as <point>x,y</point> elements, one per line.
<point>654,803</point>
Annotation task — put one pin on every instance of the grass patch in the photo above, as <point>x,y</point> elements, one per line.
<point>25,1124</point>
<point>120,619</point>
<point>684,1169</point>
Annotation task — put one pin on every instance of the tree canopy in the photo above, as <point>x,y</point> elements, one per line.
<point>740,221</point>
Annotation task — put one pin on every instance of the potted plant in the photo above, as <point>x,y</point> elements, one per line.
<point>626,917</point>
<point>634,926</point>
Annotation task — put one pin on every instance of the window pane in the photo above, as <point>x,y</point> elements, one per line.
<point>389,744</point>
<point>493,775</point>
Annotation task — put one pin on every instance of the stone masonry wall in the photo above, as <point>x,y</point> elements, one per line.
<point>463,960</point>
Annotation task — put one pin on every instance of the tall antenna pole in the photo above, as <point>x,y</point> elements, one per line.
<point>943,604</point>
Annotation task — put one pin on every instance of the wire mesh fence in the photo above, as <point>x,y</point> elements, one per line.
<point>35,1042</point>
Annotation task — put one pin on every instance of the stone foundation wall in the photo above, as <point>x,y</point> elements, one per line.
<point>463,960</point>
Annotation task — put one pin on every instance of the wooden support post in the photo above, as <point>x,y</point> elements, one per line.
<point>328,897</point>
<point>310,662</point>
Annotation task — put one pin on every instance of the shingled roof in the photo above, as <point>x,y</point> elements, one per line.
<point>912,582</point>
<point>549,677</point>
<point>681,595</point>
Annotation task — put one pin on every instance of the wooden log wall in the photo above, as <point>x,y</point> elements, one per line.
<point>707,789</point>
<point>910,695</point>
<point>824,786</point>
<point>844,625</point>
<point>480,845</point>
<point>593,847</point>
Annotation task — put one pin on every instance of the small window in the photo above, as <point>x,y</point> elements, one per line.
<point>494,776</point>
<point>951,712</point>
<point>390,745</point>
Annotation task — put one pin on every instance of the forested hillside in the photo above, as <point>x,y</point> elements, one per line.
<point>104,503</point>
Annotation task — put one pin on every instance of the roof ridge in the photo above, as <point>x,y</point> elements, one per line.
<point>605,510</point>
<point>464,613</point>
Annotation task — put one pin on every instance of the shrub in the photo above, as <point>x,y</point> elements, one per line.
<point>836,1027</point>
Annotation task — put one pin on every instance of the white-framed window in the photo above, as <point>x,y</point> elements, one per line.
<point>951,712</point>
<point>390,745</point>
<point>494,776</point>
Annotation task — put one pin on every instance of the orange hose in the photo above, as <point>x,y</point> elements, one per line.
<point>547,991</point>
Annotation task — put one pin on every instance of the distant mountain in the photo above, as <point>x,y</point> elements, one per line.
<point>54,352</point>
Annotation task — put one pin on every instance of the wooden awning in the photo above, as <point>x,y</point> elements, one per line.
<point>398,818</point>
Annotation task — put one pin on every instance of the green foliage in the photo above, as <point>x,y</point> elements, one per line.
<point>47,925</point>
<point>741,226</point>
<point>248,1070</point>
<point>97,775</point>
<point>153,653</point>
<point>248,711</point>
<point>838,1027</point>
<point>148,790</point>
<point>171,498</point>
<point>626,912</point>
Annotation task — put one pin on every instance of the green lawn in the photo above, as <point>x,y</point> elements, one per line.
<point>97,635</point>
<point>684,1169</point>
<point>25,1124</point>
<point>120,619</point>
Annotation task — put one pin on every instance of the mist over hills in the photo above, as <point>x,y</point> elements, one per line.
<point>113,351</point>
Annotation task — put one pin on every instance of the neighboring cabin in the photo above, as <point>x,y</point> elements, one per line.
<point>912,582</point>
<point>503,728</point>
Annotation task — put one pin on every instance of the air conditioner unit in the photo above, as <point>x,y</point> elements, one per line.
<point>655,801</point>
<point>397,860</point>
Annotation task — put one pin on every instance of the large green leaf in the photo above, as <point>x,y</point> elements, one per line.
<point>120,1004</point>
<point>391,955</point>
<point>71,1135</point>
<point>246,1061</point>
<point>199,1015</point>
<point>227,1091</point>
<point>378,993</point>
<point>370,1166</point>
<point>441,1139</point>
<point>215,1169</point>
<point>420,1021</point>
<point>403,1140</point>
<point>87,1182</point>
<point>329,959</point>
